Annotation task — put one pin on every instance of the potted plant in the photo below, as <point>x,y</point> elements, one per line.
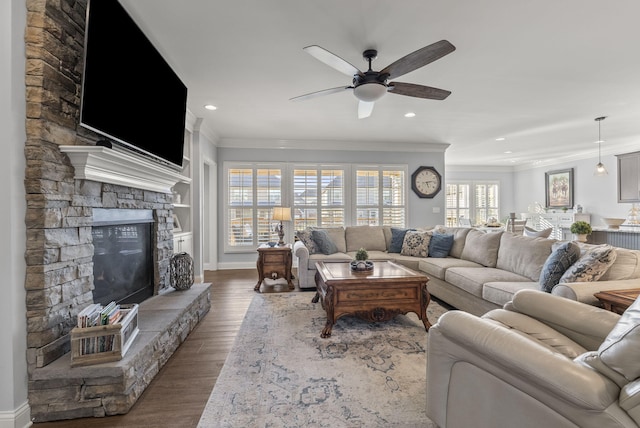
<point>362,261</point>
<point>581,229</point>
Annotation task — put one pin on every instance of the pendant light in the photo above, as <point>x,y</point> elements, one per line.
<point>600,169</point>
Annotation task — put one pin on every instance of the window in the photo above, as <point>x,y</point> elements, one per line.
<point>319,195</point>
<point>252,192</point>
<point>380,196</point>
<point>476,201</point>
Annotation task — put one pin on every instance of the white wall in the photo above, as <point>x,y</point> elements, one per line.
<point>597,195</point>
<point>14,410</point>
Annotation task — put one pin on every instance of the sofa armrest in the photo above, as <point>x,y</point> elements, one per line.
<point>538,371</point>
<point>585,324</point>
<point>584,291</point>
<point>301,251</point>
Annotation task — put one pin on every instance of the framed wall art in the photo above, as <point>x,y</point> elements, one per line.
<point>559,188</point>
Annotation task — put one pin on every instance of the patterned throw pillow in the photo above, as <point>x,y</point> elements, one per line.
<point>416,244</point>
<point>440,245</point>
<point>324,242</point>
<point>397,239</point>
<point>557,264</point>
<point>591,266</point>
<point>305,237</point>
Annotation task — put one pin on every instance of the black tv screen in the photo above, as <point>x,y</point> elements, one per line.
<point>130,94</point>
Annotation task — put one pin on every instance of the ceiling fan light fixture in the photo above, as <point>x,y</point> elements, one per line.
<point>369,92</point>
<point>600,168</point>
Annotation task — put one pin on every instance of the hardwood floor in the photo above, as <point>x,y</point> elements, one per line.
<point>178,394</point>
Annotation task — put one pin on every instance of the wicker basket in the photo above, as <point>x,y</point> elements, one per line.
<point>181,271</point>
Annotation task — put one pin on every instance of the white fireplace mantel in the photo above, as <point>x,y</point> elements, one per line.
<point>115,166</point>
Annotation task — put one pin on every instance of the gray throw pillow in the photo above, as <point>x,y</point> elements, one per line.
<point>591,266</point>
<point>557,264</point>
<point>323,241</point>
<point>440,245</point>
<point>397,239</point>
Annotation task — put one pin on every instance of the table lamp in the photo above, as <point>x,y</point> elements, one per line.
<point>281,214</point>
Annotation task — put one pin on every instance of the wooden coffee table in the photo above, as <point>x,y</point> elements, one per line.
<point>618,300</point>
<point>377,295</point>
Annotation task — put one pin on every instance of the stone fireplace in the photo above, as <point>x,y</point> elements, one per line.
<point>72,189</point>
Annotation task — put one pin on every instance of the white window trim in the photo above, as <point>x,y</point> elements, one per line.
<point>472,194</point>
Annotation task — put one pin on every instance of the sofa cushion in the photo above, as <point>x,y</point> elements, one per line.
<point>523,255</point>
<point>557,264</point>
<point>482,247</point>
<point>407,261</point>
<point>502,292</point>
<point>472,279</point>
<point>626,266</point>
<point>437,268</point>
<point>440,245</point>
<point>335,257</point>
<point>367,237</point>
<point>617,356</point>
<point>397,239</point>
<point>591,265</point>
<point>416,244</point>
<point>459,239</point>
<point>305,237</point>
<point>337,237</point>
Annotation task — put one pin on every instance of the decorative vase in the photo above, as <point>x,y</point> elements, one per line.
<point>581,237</point>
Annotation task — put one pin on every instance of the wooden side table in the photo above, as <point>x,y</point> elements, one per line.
<point>618,300</point>
<point>273,263</point>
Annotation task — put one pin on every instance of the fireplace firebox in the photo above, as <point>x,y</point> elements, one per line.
<point>123,255</point>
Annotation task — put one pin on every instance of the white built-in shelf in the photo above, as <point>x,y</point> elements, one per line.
<point>115,166</point>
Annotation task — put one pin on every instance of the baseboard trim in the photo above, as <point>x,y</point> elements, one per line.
<point>19,418</point>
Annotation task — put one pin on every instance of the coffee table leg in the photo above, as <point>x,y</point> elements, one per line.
<point>426,298</point>
<point>328,307</point>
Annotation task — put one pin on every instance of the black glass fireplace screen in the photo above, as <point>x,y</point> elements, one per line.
<point>122,263</point>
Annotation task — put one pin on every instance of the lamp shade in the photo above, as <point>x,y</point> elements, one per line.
<point>282,213</point>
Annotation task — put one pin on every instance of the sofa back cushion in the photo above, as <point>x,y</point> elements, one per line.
<point>336,234</point>
<point>459,239</point>
<point>481,247</point>
<point>523,255</point>
<point>626,266</point>
<point>371,238</point>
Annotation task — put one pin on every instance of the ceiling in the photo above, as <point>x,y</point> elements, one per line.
<point>536,73</point>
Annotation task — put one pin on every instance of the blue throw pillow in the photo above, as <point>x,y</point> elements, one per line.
<point>324,242</point>
<point>397,238</point>
<point>557,264</point>
<point>440,245</point>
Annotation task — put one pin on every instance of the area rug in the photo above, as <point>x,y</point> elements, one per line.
<point>280,373</point>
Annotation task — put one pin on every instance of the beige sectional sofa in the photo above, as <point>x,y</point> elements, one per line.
<point>482,271</point>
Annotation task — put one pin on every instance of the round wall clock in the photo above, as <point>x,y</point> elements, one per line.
<point>426,182</point>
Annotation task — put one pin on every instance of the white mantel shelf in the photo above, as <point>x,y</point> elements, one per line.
<point>114,166</point>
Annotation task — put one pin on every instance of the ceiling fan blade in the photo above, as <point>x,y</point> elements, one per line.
<point>321,93</point>
<point>418,91</point>
<point>332,60</point>
<point>419,58</point>
<point>365,109</point>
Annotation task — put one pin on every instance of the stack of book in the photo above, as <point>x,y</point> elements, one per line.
<point>94,315</point>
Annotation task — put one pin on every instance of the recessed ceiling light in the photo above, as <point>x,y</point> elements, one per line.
<point>210,107</point>
<point>508,151</point>
<point>410,114</point>
<point>500,139</point>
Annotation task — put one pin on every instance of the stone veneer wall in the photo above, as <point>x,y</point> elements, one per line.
<point>59,277</point>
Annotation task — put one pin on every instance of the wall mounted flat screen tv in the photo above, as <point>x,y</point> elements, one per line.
<point>130,94</point>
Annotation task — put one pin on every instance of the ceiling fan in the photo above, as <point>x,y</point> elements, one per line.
<point>371,85</point>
